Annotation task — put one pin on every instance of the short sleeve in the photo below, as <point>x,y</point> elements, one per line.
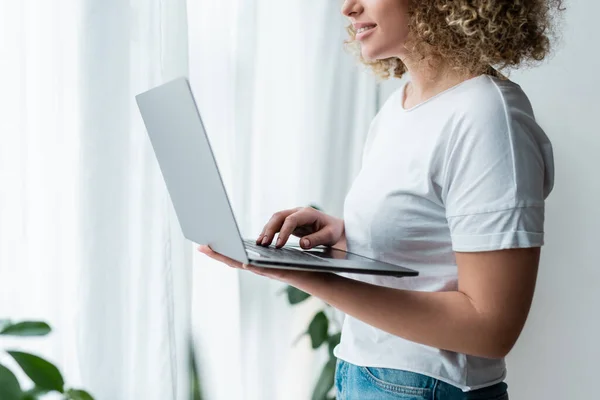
<point>498,173</point>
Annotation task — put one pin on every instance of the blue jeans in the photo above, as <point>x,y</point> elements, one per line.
<point>362,383</point>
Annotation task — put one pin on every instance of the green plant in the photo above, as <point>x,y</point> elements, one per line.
<point>44,375</point>
<point>318,330</point>
<point>195,388</point>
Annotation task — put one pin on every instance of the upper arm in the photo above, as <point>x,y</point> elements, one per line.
<point>500,285</point>
<point>498,173</point>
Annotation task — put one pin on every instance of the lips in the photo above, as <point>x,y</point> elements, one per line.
<point>364,29</point>
<point>360,25</point>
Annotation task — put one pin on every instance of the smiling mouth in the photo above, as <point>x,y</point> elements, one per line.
<point>365,29</point>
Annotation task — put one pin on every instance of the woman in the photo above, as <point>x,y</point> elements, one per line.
<point>453,182</point>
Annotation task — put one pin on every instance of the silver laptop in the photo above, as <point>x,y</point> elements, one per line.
<point>200,200</point>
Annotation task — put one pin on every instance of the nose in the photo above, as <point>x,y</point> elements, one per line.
<point>352,8</point>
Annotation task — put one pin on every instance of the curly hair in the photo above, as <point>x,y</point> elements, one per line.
<point>473,36</point>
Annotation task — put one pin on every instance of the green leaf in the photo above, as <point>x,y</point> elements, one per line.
<point>45,375</point>
<point>29,395</point>
<point>9,385</point>
<point>34,393</point>
<point>318,330</point>
<point>296,296</point>
<point>325,382</point>
<point>333,341</point>
<point>78,394</point>
<point>3,323</point>
<point>196,388</point>
<point>26,328</point>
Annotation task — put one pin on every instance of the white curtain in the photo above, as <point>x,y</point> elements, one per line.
<point>287,111</point>
<point>88,238</point>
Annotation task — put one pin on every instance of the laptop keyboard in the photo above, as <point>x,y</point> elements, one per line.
<point>287,253</point>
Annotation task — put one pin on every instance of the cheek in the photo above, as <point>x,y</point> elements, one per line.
<point>387,42</point>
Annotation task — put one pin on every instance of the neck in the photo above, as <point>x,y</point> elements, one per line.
<point>427,80</point>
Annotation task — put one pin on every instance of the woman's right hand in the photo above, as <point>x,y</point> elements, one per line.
<point>312,226</point>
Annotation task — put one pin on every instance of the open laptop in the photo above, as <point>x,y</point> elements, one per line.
<point>200,200</point>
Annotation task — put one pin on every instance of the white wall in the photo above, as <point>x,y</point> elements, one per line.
<point>558,355</point>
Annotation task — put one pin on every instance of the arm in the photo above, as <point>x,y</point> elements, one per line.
<point>483,318</point>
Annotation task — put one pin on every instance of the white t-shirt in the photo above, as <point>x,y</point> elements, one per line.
<point>467,170</point>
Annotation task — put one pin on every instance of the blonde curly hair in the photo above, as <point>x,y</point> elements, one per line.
<point>473,36</point>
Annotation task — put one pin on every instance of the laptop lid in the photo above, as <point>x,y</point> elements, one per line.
<point>189,169</point>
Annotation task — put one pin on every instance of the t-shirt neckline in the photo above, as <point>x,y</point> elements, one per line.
<point>431,99</point>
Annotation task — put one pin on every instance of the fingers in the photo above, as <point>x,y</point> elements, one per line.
<point>266,272</point>
<point>302,231</point>
<point>302,217</point>
<point>219,257</point>
<point>324,236</point>
<point>273,226</point>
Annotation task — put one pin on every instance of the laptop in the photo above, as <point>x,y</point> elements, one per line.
<point>192,178</point>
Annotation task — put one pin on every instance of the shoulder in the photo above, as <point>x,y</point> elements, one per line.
<point>494,129</point>
<point>495,112</point>
<point>491,102</point>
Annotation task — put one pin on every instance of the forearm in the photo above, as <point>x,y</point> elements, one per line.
<point>445,320</point>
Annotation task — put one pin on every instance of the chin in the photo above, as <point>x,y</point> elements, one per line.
<point>371,55</point>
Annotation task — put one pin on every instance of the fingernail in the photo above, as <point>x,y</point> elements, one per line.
<point>278,242</point>
<point>306,242</point>
<point>259,239</point>
<point>265,240</point>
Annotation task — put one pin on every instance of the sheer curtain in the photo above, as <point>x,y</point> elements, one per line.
<point>287,111</point>
<point>88,238</point>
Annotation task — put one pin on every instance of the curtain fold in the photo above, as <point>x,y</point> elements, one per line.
<point>89,240</point>
<point>134,260</point>
<point>38,174</point>
<point>287,111</point>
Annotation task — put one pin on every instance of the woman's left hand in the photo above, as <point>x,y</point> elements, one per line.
<point>290,277</point>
